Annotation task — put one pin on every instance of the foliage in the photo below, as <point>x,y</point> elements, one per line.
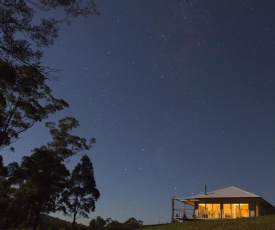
<point>24,17</point>
<point>100,223</point>
<point>41,178</point>
<point>64,143</point>
<point>114,225</point>
<point>81,194</point>
<point>42,183</point>
<point>132,223</point>
<point>24,100</point>
<point>34,186</point>
<point>25,28</point>
<point>4,195</point>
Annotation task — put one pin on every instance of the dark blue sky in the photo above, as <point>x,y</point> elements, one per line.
<point>178,94</point>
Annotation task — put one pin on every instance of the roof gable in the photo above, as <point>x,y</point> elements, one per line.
<point>230,192</point>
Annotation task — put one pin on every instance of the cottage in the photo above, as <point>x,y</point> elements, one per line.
<point>227,203</point>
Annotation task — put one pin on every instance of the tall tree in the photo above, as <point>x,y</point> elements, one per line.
<point>22,17</point>
<point>4,195</point>
<point>82,193</point>
<point>8,206</point>
<point>41,178</point>
<point>132,223</point>
<point>24,100</point>
<point>114,224</point>
<point>64,143</point>
<point>98,223</point>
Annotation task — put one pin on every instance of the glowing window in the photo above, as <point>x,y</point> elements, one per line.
<point>235,211</point>
<point>209,211</point>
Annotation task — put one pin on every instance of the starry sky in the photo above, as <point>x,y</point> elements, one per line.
<point>179,94</point>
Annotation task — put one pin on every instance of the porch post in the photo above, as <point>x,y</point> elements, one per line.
<point>221,211</point>
<point>194,209</point>
<point>173,200</point>
<point>184,211</point>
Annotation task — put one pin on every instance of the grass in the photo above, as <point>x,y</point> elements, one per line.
<point>257,223</point>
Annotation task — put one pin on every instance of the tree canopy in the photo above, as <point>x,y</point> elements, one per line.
<point>100,223</point>
<point>42,178</point>
<point>23,31</point>
<point>81,194</point>
<point>63,141</point>
<point>26,26</point>
<point>24,100</point>
<point>36,185</point>
<point>42,184</point>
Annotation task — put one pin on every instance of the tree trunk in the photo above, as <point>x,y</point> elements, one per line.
<point>35,220</point>
<point>74,218</point>
<point>28,219</point>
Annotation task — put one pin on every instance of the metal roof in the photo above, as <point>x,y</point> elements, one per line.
<point>230,192</point>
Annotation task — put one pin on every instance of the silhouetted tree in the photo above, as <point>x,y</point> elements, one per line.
<point>114,224</point>
<point>98,223</point>
<point>24,17</point>
<point>81,194</point>
<point>5,217</point>
<point>8,206</point>
<point>24,100</point>
<point>64,143</point>
<point>132,223</point>
<point>41,178</point>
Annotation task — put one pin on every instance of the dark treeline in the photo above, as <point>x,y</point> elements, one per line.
<point>53,223</point>
<point>100,223</point>
<point>41,183</point>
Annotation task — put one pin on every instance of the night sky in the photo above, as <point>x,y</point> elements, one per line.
<point>179,94</point>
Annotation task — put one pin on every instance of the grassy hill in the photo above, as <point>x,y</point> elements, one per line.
<point>49,222</point>
<point>257,223</point>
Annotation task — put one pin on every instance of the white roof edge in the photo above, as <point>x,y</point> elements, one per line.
<point>229,192</point>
